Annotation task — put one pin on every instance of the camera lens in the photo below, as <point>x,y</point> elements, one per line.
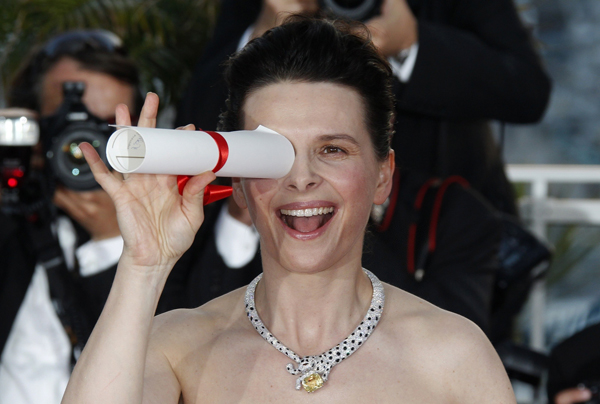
<point>360,10</point>
<point>74,155</point>
<point>67,161</point>
<point>349,3</point>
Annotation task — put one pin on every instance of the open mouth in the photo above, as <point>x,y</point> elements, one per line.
<point>306,220</point>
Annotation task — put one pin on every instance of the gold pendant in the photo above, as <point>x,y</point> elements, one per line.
<point>313,381</point>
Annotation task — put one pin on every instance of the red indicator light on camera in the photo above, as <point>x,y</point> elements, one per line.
<point>12,182</point>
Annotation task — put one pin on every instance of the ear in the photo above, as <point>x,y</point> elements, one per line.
<point>238,192</point>
<point>386,175</point>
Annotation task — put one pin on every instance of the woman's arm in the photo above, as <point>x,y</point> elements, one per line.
<point>475,373</point>
<point>158,225</point>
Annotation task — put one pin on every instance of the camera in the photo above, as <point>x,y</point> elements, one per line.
<point>26,188</point>
<point>359,10</point>
<point>61,134</point>
<point>19,133</point>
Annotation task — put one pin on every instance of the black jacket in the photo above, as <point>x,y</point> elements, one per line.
<point>18,259</point>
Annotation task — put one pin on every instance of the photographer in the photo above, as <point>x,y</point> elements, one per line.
<point>73,83</point>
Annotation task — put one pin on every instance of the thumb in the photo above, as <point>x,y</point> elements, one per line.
<point>193,194</point>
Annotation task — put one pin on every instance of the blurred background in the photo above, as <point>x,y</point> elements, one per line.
<point>568,36</point>
<point>166,37</point>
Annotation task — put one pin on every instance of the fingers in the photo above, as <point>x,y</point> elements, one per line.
<point>77,205</point>
<point>101,173</point>
<point>149,111</point>
<point>193,195</point>
<point>94,210</point>
<point>122,116</point>
<point>194,188</point>
<point>63,199</point>
<point>189,126</point>
<point>147,115</point>
<point>375,27</point>
<point>395,29</point>
<point>572,396</point>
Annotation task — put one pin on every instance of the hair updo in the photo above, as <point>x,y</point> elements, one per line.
<point>305,49</point>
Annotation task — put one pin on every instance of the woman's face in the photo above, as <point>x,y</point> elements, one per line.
<point>102,91</point>
<point>314,217</point>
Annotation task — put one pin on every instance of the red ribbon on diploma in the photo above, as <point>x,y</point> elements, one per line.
<point>212,193</point>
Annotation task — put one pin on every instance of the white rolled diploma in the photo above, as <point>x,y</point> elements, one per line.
<point>259,153</point>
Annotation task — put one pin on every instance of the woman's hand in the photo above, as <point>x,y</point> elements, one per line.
<point>157,224</point>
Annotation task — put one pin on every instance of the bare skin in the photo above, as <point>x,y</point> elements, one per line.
<point>312,295</point>
<point>393,30</point>
<point>273,12</point>
<point>573,396</point>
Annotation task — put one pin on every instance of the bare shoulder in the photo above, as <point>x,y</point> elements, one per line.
<point>176,331</point>
<point>180,343</point>
<point>448,347</point>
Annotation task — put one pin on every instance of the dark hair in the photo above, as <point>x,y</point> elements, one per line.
<point>95,50</point>
<point>306,49</point>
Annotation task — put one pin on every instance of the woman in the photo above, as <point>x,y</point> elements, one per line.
<point>323,86</point>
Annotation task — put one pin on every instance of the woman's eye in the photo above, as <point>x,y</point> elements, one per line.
<point>333,150</point>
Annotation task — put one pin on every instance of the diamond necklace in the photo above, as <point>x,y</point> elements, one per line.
<point>314,370</point>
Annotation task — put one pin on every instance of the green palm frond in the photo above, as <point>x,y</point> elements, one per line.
<point>164,37</point>
<point>574,244</point>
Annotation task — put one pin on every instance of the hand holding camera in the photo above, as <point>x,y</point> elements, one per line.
<point>64,130</point>
<point>26,187</point>
<point>273,12</point>
<point>94,210</point>
<point>395,29</point>
<point>392,24</point>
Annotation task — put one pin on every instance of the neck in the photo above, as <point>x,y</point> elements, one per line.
<point>310,313</point>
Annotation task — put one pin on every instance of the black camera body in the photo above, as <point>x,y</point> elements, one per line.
<point>61,134</point>
<point>26,188</point>
<point>359,10</point>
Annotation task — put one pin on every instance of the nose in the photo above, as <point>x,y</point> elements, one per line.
<point>302,176</point>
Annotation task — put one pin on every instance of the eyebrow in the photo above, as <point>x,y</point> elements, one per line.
<point>329,138</point>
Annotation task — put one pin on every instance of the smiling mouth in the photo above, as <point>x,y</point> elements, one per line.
<point>306,220</point>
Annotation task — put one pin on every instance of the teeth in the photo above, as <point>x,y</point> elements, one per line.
<point>307,212</point>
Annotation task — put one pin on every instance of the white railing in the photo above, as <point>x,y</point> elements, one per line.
<point>539,209</point>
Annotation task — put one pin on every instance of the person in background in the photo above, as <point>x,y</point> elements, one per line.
<point>37,350</point>
<point>457,65</point>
